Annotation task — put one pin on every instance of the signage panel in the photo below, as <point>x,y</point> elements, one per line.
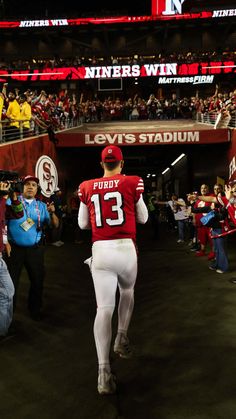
<point>200,72</point>
<point>85,139</point>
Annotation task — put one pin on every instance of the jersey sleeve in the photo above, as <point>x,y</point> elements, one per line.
<point>82,192</point>
<point>83,217</point>
<point>139,188</point>
<point>141,211</point>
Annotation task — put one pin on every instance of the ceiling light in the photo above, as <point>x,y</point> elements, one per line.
<point>178,159</point>
<point>166,170</point>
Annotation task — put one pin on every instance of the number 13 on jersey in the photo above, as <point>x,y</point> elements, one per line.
<point>114,199</point>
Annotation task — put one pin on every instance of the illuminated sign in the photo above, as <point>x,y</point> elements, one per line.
<point>184,80</point>
<point>170,10</point>
<point>174,7</point>
<point>224,13</point>
<point>167,7</point>
<point>143,137</point>
<point>196,72</point>
<point>130,71</point>
<point>40,23</point>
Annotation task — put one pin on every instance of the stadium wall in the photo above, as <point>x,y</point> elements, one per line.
<point>22,157</point>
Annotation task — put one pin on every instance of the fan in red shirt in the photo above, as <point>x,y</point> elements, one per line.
<point>203,232</point>
<point>111,206</point>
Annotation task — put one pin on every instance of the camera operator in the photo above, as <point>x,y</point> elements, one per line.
<point>6,285</point>
<point>26,237</point>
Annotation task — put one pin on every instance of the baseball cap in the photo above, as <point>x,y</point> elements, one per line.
<point>29,177</point>
<point>111,153</point>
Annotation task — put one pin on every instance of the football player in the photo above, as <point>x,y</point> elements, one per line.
<point>111,206</point>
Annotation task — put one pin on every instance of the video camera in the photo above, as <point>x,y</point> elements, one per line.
<point>14,180</point>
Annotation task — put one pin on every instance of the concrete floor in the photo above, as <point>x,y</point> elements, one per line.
<point>183,331</point>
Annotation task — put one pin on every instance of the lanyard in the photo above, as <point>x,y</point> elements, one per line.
<point>26,210</point>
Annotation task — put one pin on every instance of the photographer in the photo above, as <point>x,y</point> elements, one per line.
<point>6,285</point>
<point>26,237</point>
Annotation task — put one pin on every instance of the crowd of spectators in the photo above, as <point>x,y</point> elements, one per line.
<point>77,61</point>
<point>29,113</point>
<point>203,220</point>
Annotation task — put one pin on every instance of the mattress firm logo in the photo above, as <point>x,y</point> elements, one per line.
<point>144,138</point>
<point>184,80</point>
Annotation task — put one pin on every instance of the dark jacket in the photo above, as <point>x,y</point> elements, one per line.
<point>220,215</point>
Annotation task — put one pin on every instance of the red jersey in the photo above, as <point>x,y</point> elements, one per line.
<point>231,208</point>
<point>198,216</point>
<point>111,204</point>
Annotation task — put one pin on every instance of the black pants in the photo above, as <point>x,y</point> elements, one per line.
<point>32,258</point>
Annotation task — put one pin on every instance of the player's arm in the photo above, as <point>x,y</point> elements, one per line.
<point>83,217</point>
<point>141,211</point>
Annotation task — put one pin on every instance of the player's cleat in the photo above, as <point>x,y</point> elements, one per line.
<point>122,346</point>
<point>106,383</point>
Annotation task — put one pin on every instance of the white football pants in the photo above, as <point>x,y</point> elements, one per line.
<point>114,263</point>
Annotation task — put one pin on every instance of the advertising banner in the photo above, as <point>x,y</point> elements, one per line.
<point>85,139</point>
<point>174,73</point>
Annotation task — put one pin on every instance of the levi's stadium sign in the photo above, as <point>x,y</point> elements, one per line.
<point>173,73</point>
<point>85,139</point>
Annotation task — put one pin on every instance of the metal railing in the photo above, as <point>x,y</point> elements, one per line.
<point>211,118</point>
<point>39,126</point>
<point>10,132</point>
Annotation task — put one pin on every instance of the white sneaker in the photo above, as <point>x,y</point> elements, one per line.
<point>180,241</point>
<point>122,346</point>
<point>106,383</point>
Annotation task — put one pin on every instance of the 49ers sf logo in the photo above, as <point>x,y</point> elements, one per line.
<point>46,171</point>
